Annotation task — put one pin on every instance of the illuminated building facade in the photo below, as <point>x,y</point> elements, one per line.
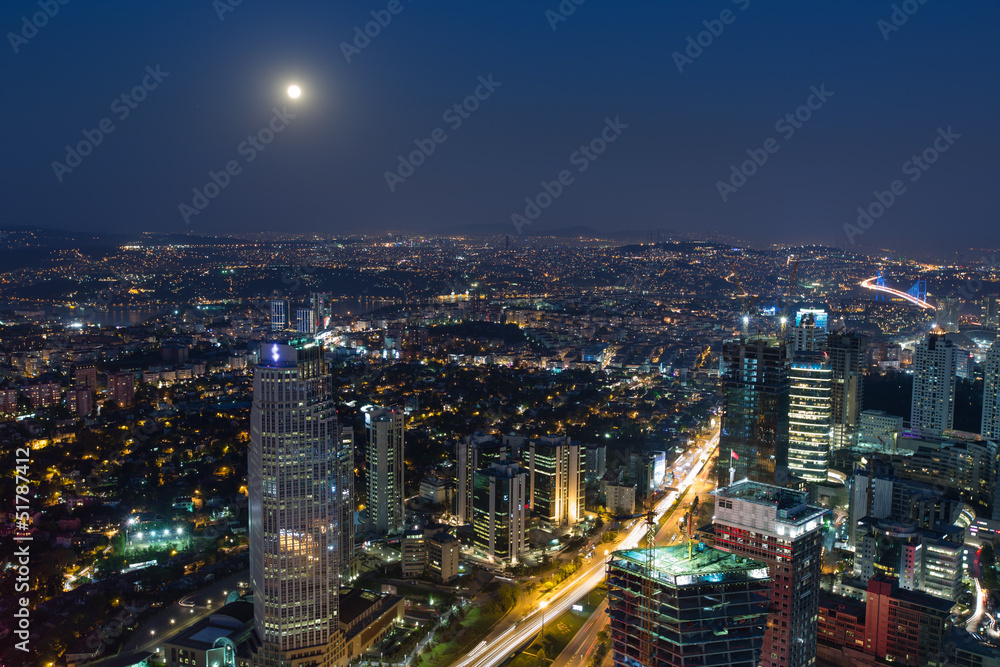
<point>384,459</point>
<point>810,383</point>
<point>499,508</point>
<point>557,470</point>
<point>294,513</point>
<point>932,410</point>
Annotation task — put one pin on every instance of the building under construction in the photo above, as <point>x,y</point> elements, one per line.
<point>670,606</point>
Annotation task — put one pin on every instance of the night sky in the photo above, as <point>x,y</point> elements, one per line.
<point>228,67</point>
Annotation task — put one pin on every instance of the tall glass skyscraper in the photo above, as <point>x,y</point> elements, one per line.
<point>754,438</point>
<point>991,394</point>
<point>294,514</point>
<point>810,382</point>
<point>847,359</point>
<point>384,459</point>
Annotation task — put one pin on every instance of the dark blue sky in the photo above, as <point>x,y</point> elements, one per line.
<point>325,171</point>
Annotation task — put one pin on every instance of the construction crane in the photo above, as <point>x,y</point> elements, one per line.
<point>646,610</point>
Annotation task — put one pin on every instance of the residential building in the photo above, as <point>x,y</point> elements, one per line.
<point>990,427</point>
<point>932,410</point>
<point>620,499</point>
<point>384,460</point>
<point>778,527</point>
<point>279,315</point>
<point>121,389</point>
<point>880,430</point>
<point>847,355</point>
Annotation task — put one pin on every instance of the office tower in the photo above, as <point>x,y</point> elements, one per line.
<point>807,336</point>
<point>318,304</point>
<point>847,354</point>
<point>676,609</point>
<point>499,510</point>
<point>121,389</point>
<point>990,427</point>
<point>305,321</point>
<point>754,437</point>
<point>384,459</point>
<point>932,409</point>
<point>347,503</point>
<point>880,430</point>
<point>596,462</point>
<point>474,452</point>
<point>279,315</point>
<point>556,469</point>
<point>294,517</point>
<point>991,313</point>
<point>810,381</point>
<point>777,526</point>
<point>948,309</point>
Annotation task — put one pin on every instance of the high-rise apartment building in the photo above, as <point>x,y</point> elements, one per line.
<point>557,470</point>
<point>85,375</point>
<point>990,428</point>
<point>384,459</point>
<point>474,452</point>
<point>279,315</point>
<point>847,356</point>
<point>754,436</point>
<point>305,321</point>
<point>677,609</point>
<point>499,508</point>
<point>810,381</point>
<point>991,313</point>
<point>932,409</point>
<point>778,527</point>
<point>346,503</point>
<point>294,513</point>
<point>121,389</point>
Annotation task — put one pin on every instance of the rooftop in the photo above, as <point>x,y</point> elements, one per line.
<point>704,565</point>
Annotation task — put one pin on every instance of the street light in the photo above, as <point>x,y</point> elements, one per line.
<point>543,604</point>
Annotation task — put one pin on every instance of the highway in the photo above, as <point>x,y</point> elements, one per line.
<point>509,634</point>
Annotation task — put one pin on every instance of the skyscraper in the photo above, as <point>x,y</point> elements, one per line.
<point>847,357</point>
<point>778,527</point>
<point>754,437</point>
<point>932,409</point>
<point>991,313</point>
<point>384,459</point>
<point>499,508</point>
<point>948,309</point>
<point>990,428</point>
<point>808,335</point>
<point>294,514</point>
<point>810,383</point>
<point>474,452</point>
<point>305,321</point>
<point>279,315</point>
<point>347,504</point>
<point>676,609</point>
<point>556,469</point>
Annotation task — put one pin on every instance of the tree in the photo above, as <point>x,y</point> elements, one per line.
<point>540,658</point>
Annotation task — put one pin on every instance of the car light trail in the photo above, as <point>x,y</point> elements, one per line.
<point>895,292</point>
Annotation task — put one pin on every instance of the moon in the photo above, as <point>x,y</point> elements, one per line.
<point>294,91</point>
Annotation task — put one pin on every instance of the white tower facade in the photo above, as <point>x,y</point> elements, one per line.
<point>384,459</point>
<point>990,428</point>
